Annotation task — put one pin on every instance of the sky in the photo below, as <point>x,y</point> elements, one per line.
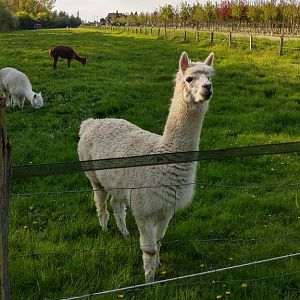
<point>91,10</point>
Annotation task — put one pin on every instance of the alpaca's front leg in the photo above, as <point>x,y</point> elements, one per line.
<point>160,231</point>
<point>22,100</point>
<point>148,246</point>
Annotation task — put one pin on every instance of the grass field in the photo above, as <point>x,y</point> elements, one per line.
<point>244,210</point>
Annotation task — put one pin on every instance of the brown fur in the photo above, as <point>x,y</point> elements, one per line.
<point>65,52</point>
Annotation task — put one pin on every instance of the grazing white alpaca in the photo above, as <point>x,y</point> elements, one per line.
<point>158,191</point>
<point>16,87</point>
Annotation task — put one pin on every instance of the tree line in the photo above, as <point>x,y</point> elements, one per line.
<point>283,15</point>
<point>25,14</point>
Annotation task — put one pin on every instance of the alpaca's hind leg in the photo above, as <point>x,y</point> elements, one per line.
<point>69,62</point>
<point>148,246</point>
<point>8,98</point>
<point>15,101</point>
<point>100,198</point>
<point>119,208</point>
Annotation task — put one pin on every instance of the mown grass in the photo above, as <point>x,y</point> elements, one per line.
<point>244,209</point>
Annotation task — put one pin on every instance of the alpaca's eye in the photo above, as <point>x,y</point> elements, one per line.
<point>189,79</point>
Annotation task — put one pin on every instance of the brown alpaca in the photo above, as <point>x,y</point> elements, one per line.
<point>65,52</point>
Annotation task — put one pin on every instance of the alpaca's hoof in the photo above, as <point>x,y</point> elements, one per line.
<point>125,235</point>
<point>149,278</point>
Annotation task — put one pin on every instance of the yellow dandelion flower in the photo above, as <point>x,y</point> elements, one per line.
<point>219,296</point>
<point>244,285</point>
<point>228,293</point>
<point>121,296</point>
<point>202,265</point>
<point>25,227</point>
<point>230,258</point>
<point>163,272</point>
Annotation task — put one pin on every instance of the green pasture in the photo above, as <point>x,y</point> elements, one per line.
<point>245,209</point>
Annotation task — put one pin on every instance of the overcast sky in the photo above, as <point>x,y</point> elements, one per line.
<point>90,10</point>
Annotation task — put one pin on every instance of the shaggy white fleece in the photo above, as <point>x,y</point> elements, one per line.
<point>16,87</point>
<point>153,193</point>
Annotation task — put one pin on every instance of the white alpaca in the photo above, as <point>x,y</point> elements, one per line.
<point>16,87</point>
<point>158,191</point>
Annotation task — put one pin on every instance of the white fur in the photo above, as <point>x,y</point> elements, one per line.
<point>153,193</point>
<point>16,87</point>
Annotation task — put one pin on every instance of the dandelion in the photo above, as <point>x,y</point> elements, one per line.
<point>163,272</point>
<point>25,227</point>
<point>244,285</point>
<point>219,296</point>
<point>31,207</point>
<point>228,293</point>
<point>231,258</point>
<point>121,296</point>
<point>202,265</point>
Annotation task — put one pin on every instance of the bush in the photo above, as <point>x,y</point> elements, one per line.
<point>25,20</point>
<point>7,20</point>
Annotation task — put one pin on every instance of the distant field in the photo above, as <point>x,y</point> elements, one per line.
<point>244,210</point>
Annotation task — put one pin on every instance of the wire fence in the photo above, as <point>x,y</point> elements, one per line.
<point>210,258</point>
<point>250,41</point>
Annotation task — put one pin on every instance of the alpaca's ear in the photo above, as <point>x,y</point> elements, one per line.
<point>183,62</point>
<point>209,60</point>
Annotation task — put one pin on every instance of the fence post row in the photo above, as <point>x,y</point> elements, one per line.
<point>5,175</point>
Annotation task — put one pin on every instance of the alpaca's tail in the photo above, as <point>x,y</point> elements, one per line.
<point>84,125</point>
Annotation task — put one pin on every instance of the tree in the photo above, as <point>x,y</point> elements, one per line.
<point>25,20</point>
<point>209,10</point>
<point>7,21</point>
<point>165,14</point>
<point>198,14</point>
<point>185,13</point>
<point>32,7</point>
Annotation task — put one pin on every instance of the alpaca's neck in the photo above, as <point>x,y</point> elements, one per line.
<point>28,93</point>
<point>184,124</point>
<point>77,57</point>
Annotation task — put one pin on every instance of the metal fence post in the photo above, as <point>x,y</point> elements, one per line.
<point>5,175</point>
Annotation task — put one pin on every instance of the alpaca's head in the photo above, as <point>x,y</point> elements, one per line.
<point>195,79</point>
<point>83,60</point>
<point>37,101</point>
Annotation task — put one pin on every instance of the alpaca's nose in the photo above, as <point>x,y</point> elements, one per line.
<point>207,86</point>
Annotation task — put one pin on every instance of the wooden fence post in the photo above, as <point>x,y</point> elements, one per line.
<point>211,38</point>
<point>251,42</point>
<point>197,36</point>
<point>230,38</point>
<point>5,173</point>
<point>281,46</point>
<point>185,35</point>
<point>158,32</point>
<point>165,32</point>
